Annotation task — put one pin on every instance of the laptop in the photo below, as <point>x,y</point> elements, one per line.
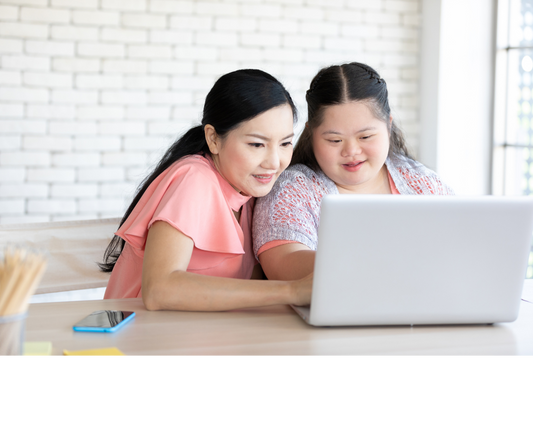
<point>419,260</point>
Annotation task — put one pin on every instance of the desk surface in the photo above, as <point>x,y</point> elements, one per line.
<point>274,330</point>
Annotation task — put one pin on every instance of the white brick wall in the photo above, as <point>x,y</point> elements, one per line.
<point>93,91</point>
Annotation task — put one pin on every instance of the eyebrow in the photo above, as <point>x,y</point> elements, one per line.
<point>334,132</point>
<point>262,137</point>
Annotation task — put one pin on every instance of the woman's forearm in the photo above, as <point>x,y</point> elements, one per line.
<point>166,284</point>
<point>193,292</point>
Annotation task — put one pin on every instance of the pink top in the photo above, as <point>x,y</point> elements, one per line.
<point>195,199</point>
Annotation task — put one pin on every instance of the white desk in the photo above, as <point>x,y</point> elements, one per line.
<point>275,330</point>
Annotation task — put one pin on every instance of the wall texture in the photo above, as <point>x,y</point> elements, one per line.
<point>93,91</point>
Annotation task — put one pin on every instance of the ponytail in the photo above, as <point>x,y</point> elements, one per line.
<point>191,143</point>
<point>397,142</point>
<point>303,151</point>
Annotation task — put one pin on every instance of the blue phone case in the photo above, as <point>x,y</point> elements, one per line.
<point>104,329</point>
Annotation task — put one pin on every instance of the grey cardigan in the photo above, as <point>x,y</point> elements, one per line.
<point>291,211</point>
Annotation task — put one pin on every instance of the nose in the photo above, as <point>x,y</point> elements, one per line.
<point>272,159</point>
<point>350,148</point>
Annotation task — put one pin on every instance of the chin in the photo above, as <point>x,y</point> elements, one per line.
<point>356,179</point>
<point>259,192</point>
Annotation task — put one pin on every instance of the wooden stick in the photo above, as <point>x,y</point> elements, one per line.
<point>33,267</point>
<point>18,293</point>
<point>12,271</point>
<point>3,278</point>
<point>19,277</point>
<point>36,268</point>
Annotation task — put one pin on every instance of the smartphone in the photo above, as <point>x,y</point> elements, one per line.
<point>104,321</point>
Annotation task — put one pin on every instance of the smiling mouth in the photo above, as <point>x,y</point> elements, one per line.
<point>354,166</point>
<point>263,178</point>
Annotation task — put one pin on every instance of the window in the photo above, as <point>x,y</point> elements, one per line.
<point>512,159</point>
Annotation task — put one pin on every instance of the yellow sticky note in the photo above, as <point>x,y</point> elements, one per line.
<point>37,348</point>
<point>95,354</point>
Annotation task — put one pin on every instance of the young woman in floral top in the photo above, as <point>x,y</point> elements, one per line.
<point>350,145</point>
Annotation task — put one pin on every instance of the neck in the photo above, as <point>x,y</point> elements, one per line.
<point>214,157</point>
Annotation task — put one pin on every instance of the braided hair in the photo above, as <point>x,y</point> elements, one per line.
<point>339,84</point>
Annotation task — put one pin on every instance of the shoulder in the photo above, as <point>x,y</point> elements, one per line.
<point>291,211</point>
<point>190,178</point>
<point>412,177</point>
<point>297,188</point>
<point>192,175</point>
<point>195,165</point>
<point>301,177</point>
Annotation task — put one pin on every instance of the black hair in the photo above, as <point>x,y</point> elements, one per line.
<point>235,97</point>
<point>339,84</point>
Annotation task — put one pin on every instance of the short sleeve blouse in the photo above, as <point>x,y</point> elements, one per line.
<point>195,199</point>
<point>291,211</point>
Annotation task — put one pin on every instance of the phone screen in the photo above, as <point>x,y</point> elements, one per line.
<point>104,320</point>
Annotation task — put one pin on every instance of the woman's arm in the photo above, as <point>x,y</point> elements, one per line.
<point>288,262</point>
<point>167,285</point>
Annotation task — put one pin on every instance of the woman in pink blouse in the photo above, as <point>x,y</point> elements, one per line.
<point>350,145</point>
<point>185,241</point>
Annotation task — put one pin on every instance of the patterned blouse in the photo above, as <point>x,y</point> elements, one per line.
<point>291,211</point>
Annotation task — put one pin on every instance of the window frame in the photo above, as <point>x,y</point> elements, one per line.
<point>512,167</point>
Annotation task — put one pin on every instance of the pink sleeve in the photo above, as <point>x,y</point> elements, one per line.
<point>273,244</point>
<point>188,197</point>
<point>290,212</point>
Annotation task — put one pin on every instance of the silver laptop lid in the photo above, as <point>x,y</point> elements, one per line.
<point>385,260</point>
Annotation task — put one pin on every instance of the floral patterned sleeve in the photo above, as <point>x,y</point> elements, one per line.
<point>291,211</point>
